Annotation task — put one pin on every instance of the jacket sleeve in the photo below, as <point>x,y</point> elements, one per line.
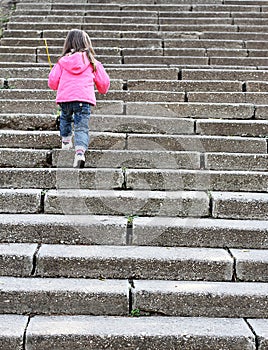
<point>101,79</point>
<point>54,77</point>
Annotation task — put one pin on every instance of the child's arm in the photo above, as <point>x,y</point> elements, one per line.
<point>54,77</point>
<point>101,79</point>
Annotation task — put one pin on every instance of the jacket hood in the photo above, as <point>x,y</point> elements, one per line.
<point>75,63</point>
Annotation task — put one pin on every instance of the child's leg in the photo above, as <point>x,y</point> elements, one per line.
<point>66,124</point>
<point>81,131</point>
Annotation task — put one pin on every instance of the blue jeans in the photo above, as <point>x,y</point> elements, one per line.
<point>78,113</point>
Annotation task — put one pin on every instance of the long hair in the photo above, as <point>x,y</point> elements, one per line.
<point>78,41</point>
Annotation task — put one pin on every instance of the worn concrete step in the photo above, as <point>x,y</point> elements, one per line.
<point>20,158</point>
<point>171,43</point>
<point>51,139</point>
<point>199,110</point>
<point>161,333</point>
<point>63,229</point>
<point>112,230</point>
<point>238,61</point>
<point>227,74</point>
<point>27,158</point>
<point>256,128</point>
<point>120,262</point>
<point>260,98</point>
<point>85,19</point>
<point>198,180</point>
<point>20,201</point>
<point>205,299</point>
<point>235,35</point>
<point>120,95</point>
<point>201,232</point>
<point>12,106</point>
<point>197,143</point>
<point>116,202</point>
<point>133,262</point>
<point>127,159</point>
<point>62,178</point>
<point>186,85</point>
<point>16,259</point>
<point>64,296</point>
<point>240,205</point>
<point>235,161</point>
<point>125,73</point>
<point>167,60</point>
<point>177,21</point>
<point>260,329</point>
<point>12,328</point>
<point>199,27</point>
<point>251,265</point>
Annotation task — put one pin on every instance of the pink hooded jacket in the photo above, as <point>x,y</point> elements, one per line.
<point>74,79</point>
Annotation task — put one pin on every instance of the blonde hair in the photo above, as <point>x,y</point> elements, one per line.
<point>78,41</point>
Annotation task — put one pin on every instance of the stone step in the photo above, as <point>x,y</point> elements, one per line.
<point>125,73</point>
<point>61,178</point>
<point>123,332</point>
<point>235,161</point>
<point>64,296</point>
<point>196,143</point>
<point>51,139</point>
<point>20,158</point>
<point>154,85</point>
<point>106,42</point>
<point>246,36</point>
<point>194,110</point>
<point>205,299</point>
<point>260,329</point>
<point>199,232</point>
<point>189,85</point>
<point>20,201</point>
<point>134,179</point>
<point>116,202</point>
<point>260,98</point>
<point>227,74</point>
<point>112,230</point>
<point>251,265</point>
<point>171,43</point>
<point>36,106</point>
<point>16,259</point>
<point>116,262</point>
<point>132,262</point>
<point>12,328</point>
<point>131,159</point>
<point>257,128</point>
<point>198,180</point>
<point>239,205</point>
<point>63,229</point>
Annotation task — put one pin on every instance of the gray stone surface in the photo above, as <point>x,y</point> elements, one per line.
<point>12,329</point>
<point>64,296</point>
<point>196,143</point>
<point>19,158</point>
<point>237,205</point>
<point>200,232</point>
<point>232,127</point>
<point>63,229</point>
<point>132,159</point>
<point>198,180</point>
<point>16,259</point>
<point>62,178</point>
<point>134,262</point>
<point>251,265</point>
<point>193,110</point>
<point>20,201</point>
<point>260,328</point>
<point>234,161</point>
<point>104,202</point>
<point>206,299</point>
<point>80,332</point>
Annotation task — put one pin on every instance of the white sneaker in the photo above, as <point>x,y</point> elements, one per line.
<point>66,145</point>
<point>79,160</point>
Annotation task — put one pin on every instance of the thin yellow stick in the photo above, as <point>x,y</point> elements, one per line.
<point>48,56</point>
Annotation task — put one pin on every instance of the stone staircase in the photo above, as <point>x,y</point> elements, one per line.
<point>161,241</point>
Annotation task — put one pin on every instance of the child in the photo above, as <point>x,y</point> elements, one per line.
<point>73,77</point>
